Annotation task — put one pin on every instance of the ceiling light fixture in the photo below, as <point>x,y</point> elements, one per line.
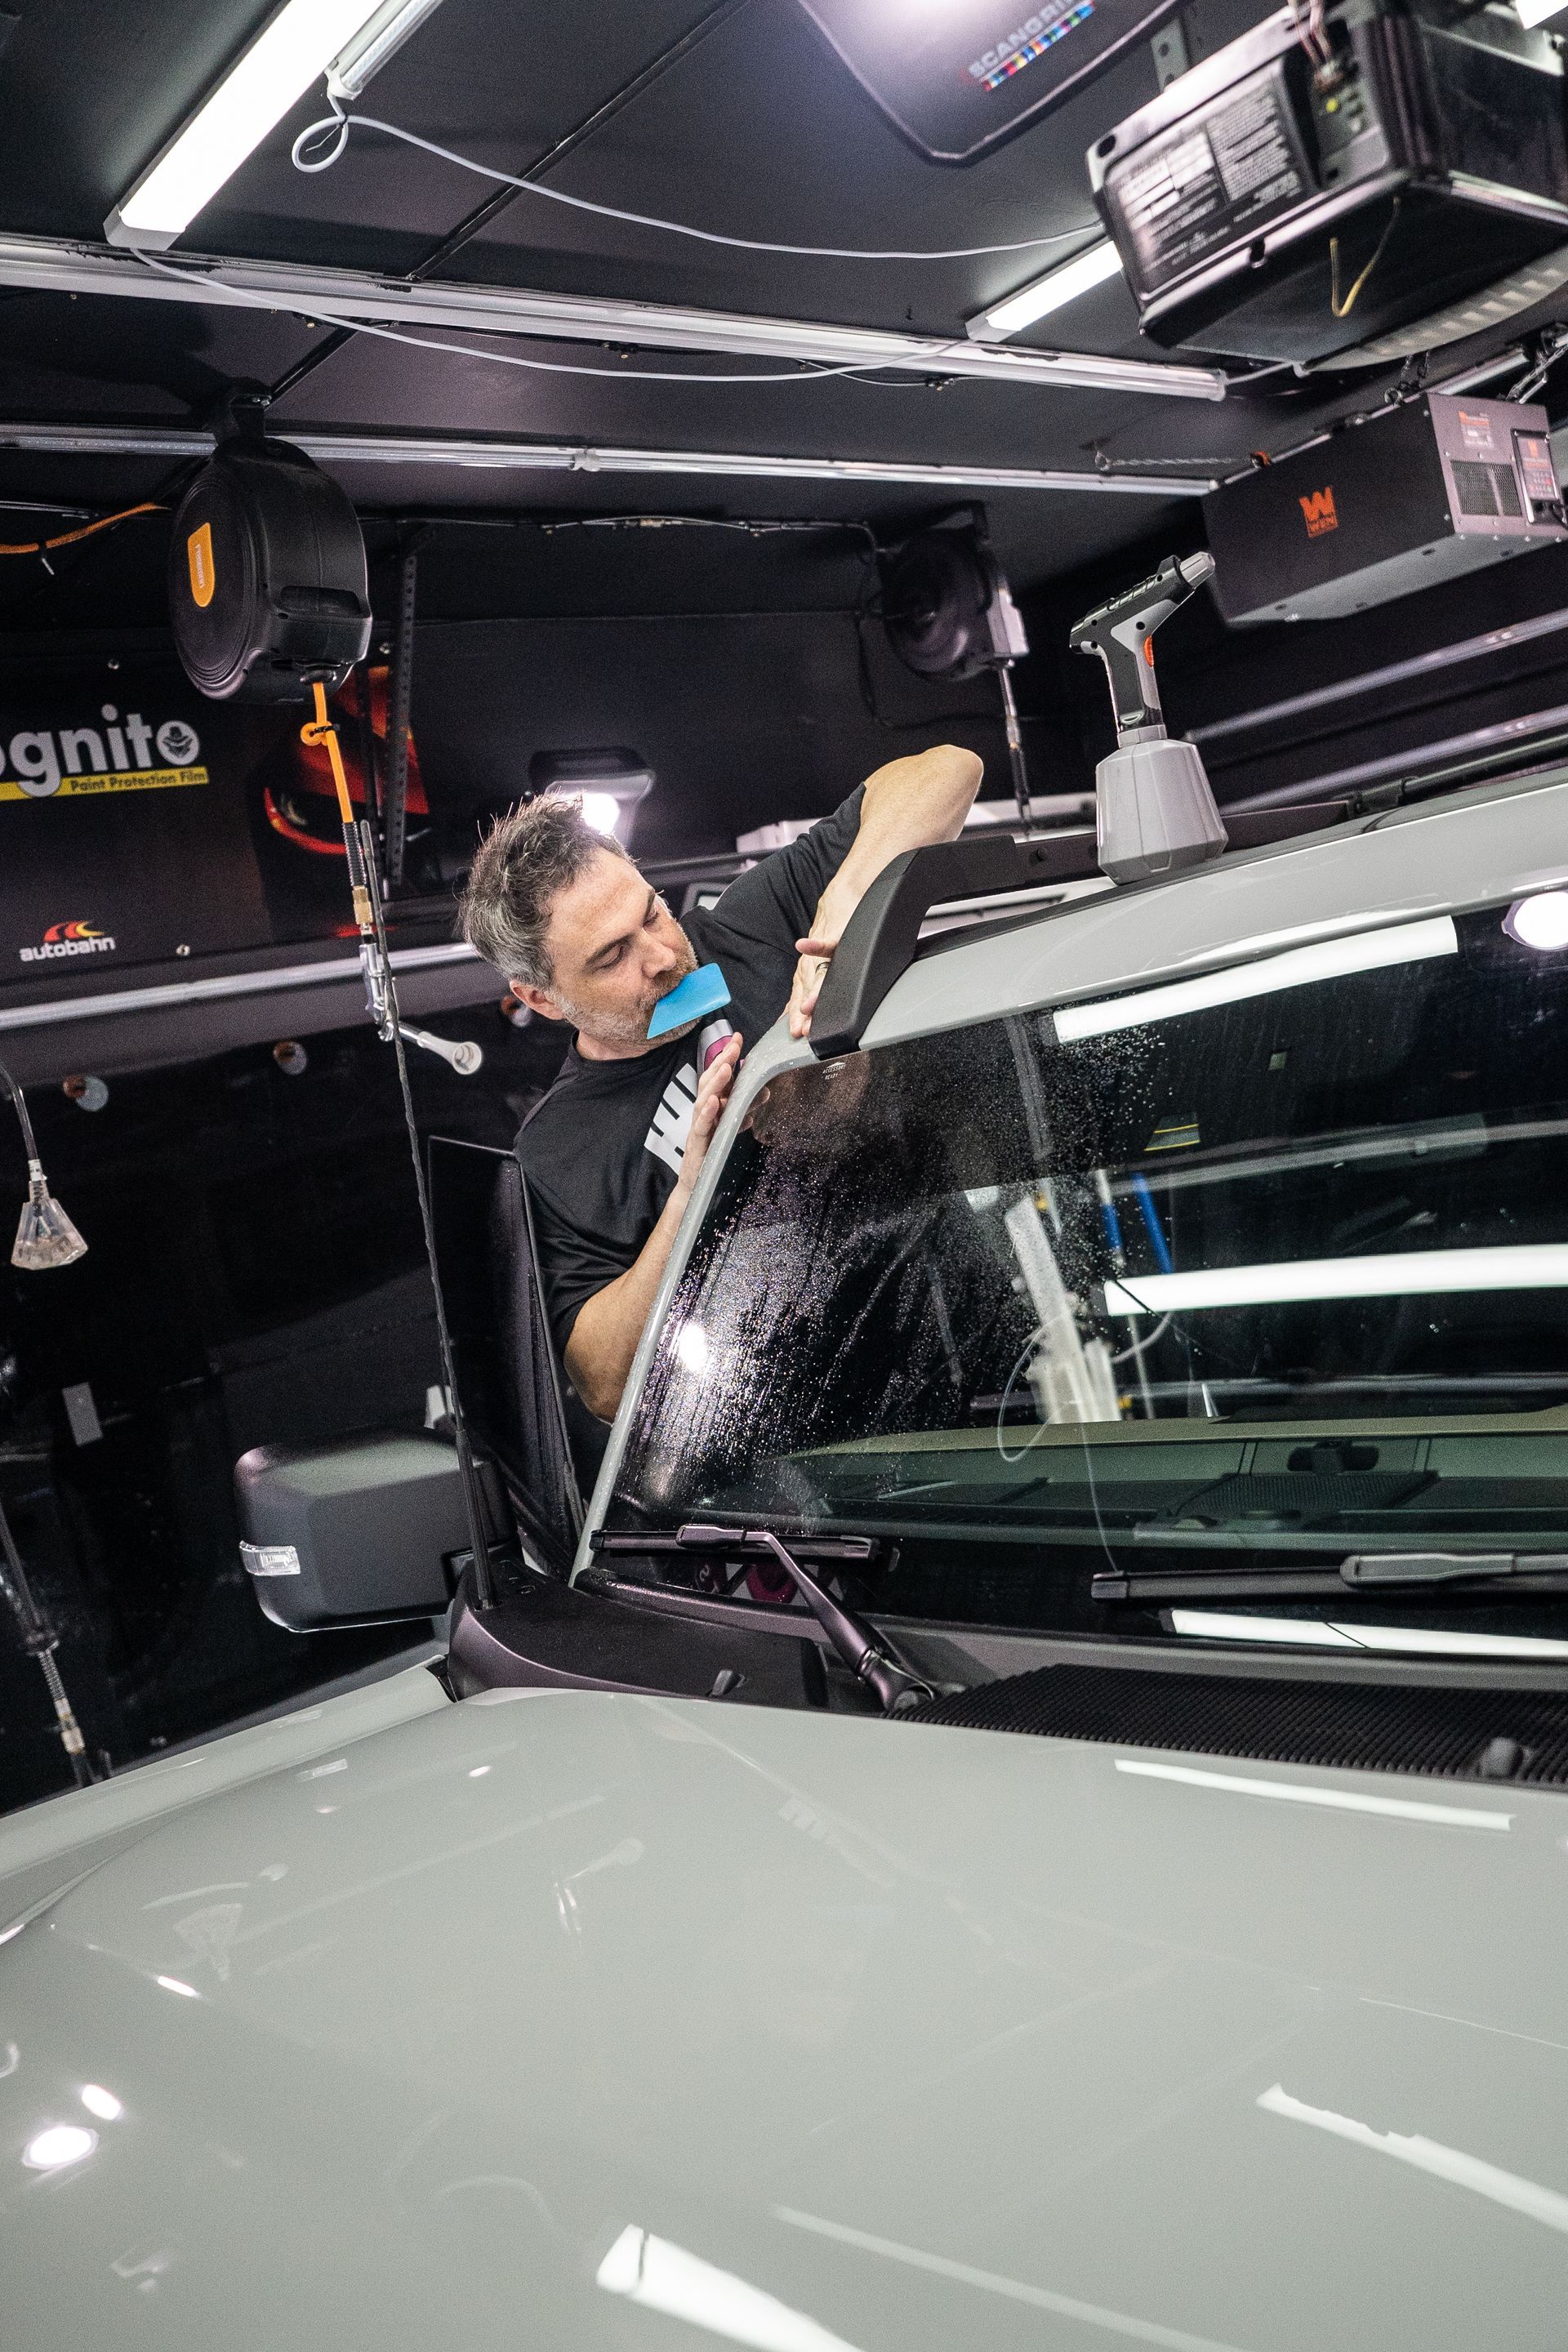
<point>335,448</point>
<point>1398,943</point>
<point>1398,1274</point>
<point>56,265</point>
<point>58,2144</point>
<point>1319,1633</point>
<point>306,37</point>
<point>1313,1792</point>
<point>1052,291</point>
<point>1539,922</point>
<point>359,61</point>
<point>609,783</point>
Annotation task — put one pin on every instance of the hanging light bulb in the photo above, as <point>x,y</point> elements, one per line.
<point>46,1236</point>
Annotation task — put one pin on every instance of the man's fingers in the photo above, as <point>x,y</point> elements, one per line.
<point>815,946</point>
<point>713,1087</point>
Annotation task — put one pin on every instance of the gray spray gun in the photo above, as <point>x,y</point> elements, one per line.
<point>1154,809</point>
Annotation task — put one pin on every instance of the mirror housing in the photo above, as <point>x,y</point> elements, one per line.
<point>357,1532</point>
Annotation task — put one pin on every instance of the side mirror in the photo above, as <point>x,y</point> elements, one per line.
<point>358,1532</point>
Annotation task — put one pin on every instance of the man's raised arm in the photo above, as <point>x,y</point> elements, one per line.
<point>907,804</point>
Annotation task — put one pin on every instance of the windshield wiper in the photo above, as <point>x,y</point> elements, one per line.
<point>1523,1571</point>
<point>1383,1568</point>
<point>868,1657</point>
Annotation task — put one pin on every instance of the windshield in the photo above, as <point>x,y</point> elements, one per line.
<point>1245,1290</point>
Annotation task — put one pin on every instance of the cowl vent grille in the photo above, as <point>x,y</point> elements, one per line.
<point>1457,1735</point>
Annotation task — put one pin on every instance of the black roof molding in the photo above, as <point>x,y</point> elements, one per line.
<point>882,935</point>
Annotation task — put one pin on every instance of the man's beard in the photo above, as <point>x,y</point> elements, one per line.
<point>628,1030</point>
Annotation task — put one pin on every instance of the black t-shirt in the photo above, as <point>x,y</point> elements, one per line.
<point>603,1150</point>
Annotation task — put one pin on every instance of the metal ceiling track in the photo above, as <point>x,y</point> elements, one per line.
<point>57,265</point>
<point>333,447</point>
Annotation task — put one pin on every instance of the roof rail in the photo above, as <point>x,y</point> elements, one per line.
<point>882,935</point>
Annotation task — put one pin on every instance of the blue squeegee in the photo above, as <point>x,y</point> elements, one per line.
<point>702,991</point>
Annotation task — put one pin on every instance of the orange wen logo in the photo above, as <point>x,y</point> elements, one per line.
<point>1318,510</point>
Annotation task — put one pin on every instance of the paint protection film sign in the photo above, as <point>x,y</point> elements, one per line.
<point>126,829</point>
<point>114,753</point>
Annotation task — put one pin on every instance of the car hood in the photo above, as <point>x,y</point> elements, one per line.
<point>574,2020</point>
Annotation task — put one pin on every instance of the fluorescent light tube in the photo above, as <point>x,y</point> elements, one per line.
<point>1055,289</point>
<point>665,2277</point>
<point>1220,1626</point>
<point>1404,1274</point>
<point>1536,12</point>
<point>287,56</point>
<point>1324,959</point>
<point>1454,2164</point>
<point>1314,1792</point>
<point>356,64</point>
<point>56,265</point>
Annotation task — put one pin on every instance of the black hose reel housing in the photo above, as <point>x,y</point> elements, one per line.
<point>946,607</point>
<point>268,589</point>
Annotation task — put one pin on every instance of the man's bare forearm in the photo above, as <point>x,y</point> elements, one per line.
<point>908,804</point>
<point>604,1337</point>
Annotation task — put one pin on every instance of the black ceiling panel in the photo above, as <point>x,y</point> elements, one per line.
<point>498,82</point>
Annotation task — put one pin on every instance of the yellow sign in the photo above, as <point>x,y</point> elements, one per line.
<point>199,555</point>
<point>137,780</point>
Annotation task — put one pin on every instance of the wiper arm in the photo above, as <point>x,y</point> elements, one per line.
<point>895,1687</point>
<point>1524,1572</point>
<point>1385,1567</point>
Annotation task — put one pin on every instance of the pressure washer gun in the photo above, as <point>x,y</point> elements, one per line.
<point>379,993</point>
<point>1156,811</point>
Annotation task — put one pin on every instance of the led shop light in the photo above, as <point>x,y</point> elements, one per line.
<point>1377,950</point>
<point>1539,922</point>
<point>348,40</point>
<point>610,784</point>
<point>1401,1273</point>
<point>1051,292</point>
<point>359,61</point>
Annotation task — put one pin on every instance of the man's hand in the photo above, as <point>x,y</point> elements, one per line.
<point>908,804</point>
<point>609,1326</point>
<point>809,975</point>
<point>712,1094</point>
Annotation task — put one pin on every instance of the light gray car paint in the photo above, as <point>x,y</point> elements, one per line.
<point>884,2036</point>
<point>1438,858</point>
<point>46,1845</point>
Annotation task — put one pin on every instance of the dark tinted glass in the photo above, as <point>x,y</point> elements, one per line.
<point>1220,1288</point>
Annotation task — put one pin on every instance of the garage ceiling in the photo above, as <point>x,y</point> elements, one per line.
<point>734,116</point>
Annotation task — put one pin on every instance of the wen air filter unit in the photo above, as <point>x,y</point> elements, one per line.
<point>960,77</point>
<point>1284,201</point>
<point>1440,487</point>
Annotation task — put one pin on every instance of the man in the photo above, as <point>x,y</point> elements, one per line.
<point>612,1154</point>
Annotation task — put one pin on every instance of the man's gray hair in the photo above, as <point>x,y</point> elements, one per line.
<point>525,860</point>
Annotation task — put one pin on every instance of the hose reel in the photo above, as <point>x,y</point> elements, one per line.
<point>949,612</point>
<point>268,587</point>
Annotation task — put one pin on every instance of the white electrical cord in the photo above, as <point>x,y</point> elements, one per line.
<point>314,313</point>
<point>342,124</point>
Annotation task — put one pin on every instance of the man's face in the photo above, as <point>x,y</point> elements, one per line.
<point>615,951</point>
